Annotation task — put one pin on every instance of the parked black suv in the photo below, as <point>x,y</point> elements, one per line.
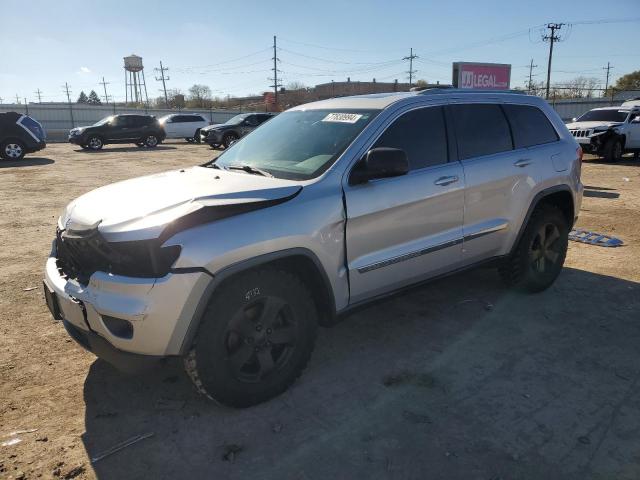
<point>143,130</point>
<point>224,134</point>
<point>19,134</point>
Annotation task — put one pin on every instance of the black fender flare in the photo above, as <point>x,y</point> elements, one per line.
<point>220,276</point>
<point>539,197</point>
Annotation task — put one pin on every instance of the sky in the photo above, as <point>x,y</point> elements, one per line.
<point>229,45</point>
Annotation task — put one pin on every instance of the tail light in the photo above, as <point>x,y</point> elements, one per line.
<point>579,153</point>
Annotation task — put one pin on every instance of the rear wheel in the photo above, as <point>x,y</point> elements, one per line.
<point>255,338</point>
<point>95,143</point>
<point>12,150</point>
<point>151,141</point>
<point>613,150</point>
<point>540,253</point>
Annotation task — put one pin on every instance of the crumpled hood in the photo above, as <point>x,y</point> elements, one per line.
<point>219,126</point>
<point>590,125</point>
<point>141,208</point>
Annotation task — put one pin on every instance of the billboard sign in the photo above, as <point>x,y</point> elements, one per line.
<point>488,76</point>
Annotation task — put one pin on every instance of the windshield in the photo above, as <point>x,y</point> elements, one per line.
<point>299,144</point>
<point>103,121</point>
<point>237,120</point>
<point>604,116</point>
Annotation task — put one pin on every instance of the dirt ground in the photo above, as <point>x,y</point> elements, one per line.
<point>457,379</point>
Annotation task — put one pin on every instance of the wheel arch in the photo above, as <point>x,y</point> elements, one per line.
<point>299,261</point>
<point>559,196</point>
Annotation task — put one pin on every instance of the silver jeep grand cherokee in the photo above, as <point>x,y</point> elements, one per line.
<point>232,265</point>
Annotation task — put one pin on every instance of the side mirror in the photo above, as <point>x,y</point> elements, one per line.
<point>382,162</point>
<point>636,119</point>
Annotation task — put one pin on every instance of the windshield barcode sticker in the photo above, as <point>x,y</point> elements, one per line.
<point>342,117</point>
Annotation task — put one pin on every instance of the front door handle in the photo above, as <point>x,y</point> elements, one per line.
<point>442,181</point>
<point>523,162</point>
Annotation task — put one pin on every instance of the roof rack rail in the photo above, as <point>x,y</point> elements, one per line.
<point>449,89</point>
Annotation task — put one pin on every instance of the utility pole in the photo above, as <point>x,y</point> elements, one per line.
<point>39,93</point>
<point>531,67</point>
<point>551,39</point>
<point>26,106</point>
<point>17,98</point>
<point>0,100</point>
<point>275,70</point>
<point>607,68</point>
<point>68,92</point>
<point>411,71</point>
<point>163,79</point>
<point>104,85</point>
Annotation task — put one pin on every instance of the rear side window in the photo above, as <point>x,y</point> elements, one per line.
<point>481,129</point>
<point>529,126</point>
<point>422,134</point>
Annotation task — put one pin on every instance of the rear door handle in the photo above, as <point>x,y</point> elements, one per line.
<point>523,162</point>
<point>442,181</point>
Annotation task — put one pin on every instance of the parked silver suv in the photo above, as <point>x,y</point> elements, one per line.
<point>232,265</point>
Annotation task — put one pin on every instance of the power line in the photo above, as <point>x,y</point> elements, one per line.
<point>551,39</point>
<point>608,69</point>
<point>68,92</point>
<point>531,67</point>
<point>411,71</point>
<point>163,79</point>
<point>275,59</point>
<point>104,85</point>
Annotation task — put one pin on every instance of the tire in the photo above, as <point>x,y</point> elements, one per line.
<point>215,146</point>
<point>84,147</point>
<point>140,144</point>
<point>240,357</point>
<point>196,137</point>
<point>539,256</point>
<point>189,140</point>
<point>613,150</point>
<point>151,141</point>
<point>95,143</point>
<point>13,150</point>
<point>229,139</point>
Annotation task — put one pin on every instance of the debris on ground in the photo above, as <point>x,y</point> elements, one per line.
<point>74,472</point>
<point>584,440</point>
<point>28,289</point>
<point>416,418</point>
<point>230,452</point>
<point>592,238</point>
<point>13,438</point>
<point>120,446</point>
<point>406,377</point>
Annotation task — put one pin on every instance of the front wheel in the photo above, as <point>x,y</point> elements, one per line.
<point>613,150</point>
<point>13,150</point>
<point>95,143</point>
<point>539,256</point>
<point>255,338</point>
<point>229,139</point>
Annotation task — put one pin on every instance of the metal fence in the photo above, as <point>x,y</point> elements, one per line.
<point>59,118</point>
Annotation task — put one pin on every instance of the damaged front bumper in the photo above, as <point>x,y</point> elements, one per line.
<point>125,320</point>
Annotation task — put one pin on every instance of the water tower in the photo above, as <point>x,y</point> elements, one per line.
<point>134,80</point>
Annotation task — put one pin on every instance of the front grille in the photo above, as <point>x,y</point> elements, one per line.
<point>82,254</point>
<point>581,133</point>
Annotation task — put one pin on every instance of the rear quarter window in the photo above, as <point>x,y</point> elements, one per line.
<point>530,126</point>
<point>481,129</point>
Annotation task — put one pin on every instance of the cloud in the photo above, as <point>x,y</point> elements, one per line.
<point>84,70</point>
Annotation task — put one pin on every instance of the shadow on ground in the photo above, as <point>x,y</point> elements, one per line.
<point>110,149</point>
<point>457,379</point>
<point>628,160</point>
<point>26,162</point>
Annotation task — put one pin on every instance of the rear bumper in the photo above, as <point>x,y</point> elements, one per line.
<point>36,146</point>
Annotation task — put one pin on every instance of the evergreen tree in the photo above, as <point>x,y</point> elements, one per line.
<point>93,98</point>
<point>83,98</point>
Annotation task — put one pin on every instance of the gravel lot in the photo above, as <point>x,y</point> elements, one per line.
<point>458,379</point>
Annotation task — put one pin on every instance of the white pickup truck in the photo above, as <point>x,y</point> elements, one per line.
<point>610,131</point>
<point>184,125</point>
